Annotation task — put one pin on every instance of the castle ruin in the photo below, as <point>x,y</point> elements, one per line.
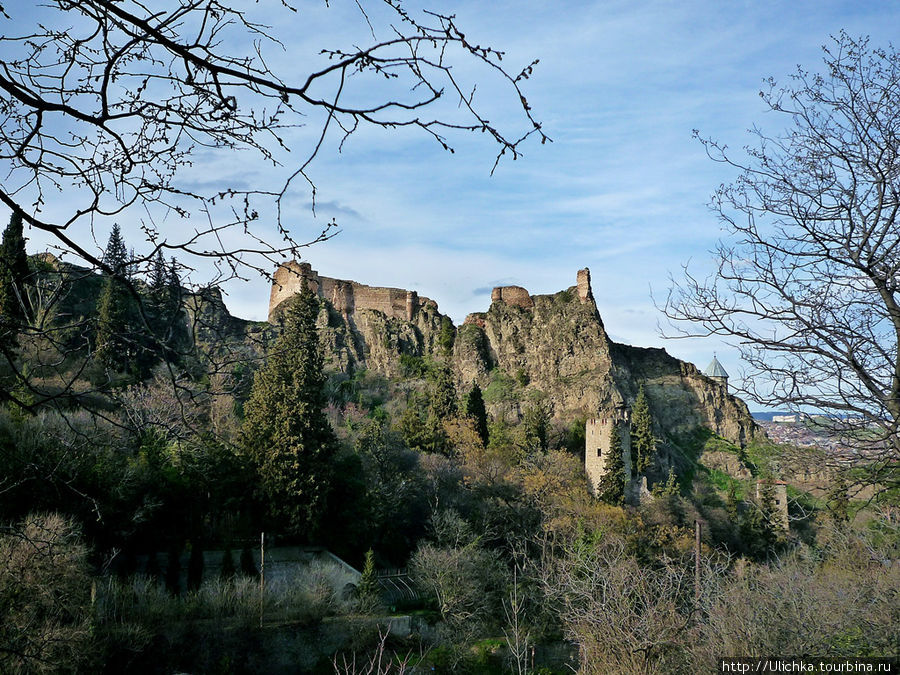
<point>345,296</point>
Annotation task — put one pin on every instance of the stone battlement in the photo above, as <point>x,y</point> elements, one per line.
<point>345,296</point>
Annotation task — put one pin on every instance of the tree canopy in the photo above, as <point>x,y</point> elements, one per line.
<point>285,430</point>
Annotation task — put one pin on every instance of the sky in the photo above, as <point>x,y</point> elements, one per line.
<point>623,188</point>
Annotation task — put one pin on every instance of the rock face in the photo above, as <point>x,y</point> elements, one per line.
<point>553,347</point>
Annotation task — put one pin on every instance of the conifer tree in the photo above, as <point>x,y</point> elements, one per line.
<point>286,431</point>
<point>367,589</point>
<point>643,444</point>
<point>441,392</point>
<point>13,276</point>
<point>115,343</point>
<point>611,486</point>
<point>165,307</point>
<point>476,411</point>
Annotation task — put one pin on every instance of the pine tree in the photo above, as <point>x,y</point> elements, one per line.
<point>13,276</point>
<point>643,444</point>
<point>165,307</point>
<point>611,486</point>
<point>285,430</point>
<point>115,340</point>
<point>476,411</point>
<point>115,256</point>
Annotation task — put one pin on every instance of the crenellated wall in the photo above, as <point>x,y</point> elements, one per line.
<point>345,296</point>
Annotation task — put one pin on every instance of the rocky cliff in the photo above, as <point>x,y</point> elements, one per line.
<point>552,348</point>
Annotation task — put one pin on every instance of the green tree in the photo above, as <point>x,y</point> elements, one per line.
<point>13,276</point>
<point>643,443</point>
<point>476,411</point>
<point>536,425</point>
<point>441,392</point>
<point>367,589</point>
<point>115,339</point>
<point>447,335</point>
<point>165,308</point>
<point>758,526</point>
<point>285,430</point>
<point>611,486</point>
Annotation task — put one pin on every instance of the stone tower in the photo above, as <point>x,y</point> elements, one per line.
<point>596,444</point>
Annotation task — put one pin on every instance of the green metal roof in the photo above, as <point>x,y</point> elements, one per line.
<point>715,369</point>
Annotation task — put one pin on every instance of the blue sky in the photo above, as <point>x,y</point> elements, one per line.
<point>623,187</point>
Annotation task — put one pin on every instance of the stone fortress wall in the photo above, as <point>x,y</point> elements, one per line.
<point>520,297</point>
<point>345,296</point>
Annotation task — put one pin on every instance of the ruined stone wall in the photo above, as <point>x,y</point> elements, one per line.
<point>346,296</point>
<point>512,295</point>
<point>583,284</point>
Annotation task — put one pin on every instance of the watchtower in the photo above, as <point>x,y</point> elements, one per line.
<point>597,435</point>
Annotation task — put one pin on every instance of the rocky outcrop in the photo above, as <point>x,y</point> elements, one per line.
<point>552,347</point>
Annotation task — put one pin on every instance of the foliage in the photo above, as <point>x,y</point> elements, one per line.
<point>44,597</point>
<point>447,335</point>
<point>442,403</point>
<point>536,423</point>
<point>502,387</point>
<point>643,442</point>
<point>116,342</point>
<point>285,431</point>
<point>367,590</point>
<point>611,486</point>
<point>14,273</point>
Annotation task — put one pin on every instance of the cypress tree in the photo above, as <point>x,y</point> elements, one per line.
<point>13,276</point>
<point>611,486</point>
<point>643,444</point>
<point>286,431</point>
<point>367,589</point>
<point>476,411</point>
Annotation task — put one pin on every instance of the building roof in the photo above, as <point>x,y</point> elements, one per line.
<point>715,369</point>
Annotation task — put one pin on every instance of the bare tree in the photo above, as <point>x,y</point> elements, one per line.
<point>808,279</point>
<point>105,103</point>
<point>110,111</point>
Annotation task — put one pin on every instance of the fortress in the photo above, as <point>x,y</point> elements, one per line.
<point>345,296</point>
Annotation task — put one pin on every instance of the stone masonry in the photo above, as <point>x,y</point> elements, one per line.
<point>345,296</point>
<point>512,295</point>
<point>597,435</point>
